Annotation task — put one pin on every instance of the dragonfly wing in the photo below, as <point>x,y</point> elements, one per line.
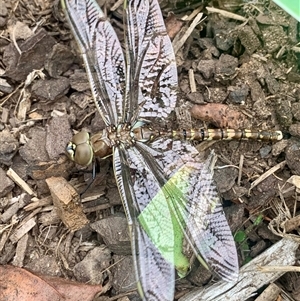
<point>102,55</point>
<point>208,225</point>
<point>195,200</point>
<point>138,186</point>
<point>151,67</point>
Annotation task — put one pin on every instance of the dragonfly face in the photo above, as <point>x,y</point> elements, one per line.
<point>79,149</point>
<point>168,194</point>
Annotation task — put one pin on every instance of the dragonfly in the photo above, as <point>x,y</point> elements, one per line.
<point>168,193</point>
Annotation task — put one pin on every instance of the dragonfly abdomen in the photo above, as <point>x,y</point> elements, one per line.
<point>227,134</point>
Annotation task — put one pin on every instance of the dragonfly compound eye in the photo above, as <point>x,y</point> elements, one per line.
<point>79,149</point>
<point>83,154</point>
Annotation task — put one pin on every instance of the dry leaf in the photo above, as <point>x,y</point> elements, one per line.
<point>18,284</point>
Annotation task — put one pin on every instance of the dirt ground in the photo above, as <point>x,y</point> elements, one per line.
<point>238,68</point>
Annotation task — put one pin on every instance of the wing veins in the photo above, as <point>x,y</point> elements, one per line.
<point>151,266</point>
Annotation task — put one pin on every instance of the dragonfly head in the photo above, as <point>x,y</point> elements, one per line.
<point>79,149</point>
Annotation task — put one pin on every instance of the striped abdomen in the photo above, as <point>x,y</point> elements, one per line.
<point>227,134</point>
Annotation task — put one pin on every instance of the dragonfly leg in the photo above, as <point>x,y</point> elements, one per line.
<point>90,181</point>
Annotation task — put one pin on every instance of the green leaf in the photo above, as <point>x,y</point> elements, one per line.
<point>240,236</point>
<point>168,236</point>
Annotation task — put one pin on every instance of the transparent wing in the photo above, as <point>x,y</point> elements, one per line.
<point>151,67</point>
<point>196,201</point>
<point>137,186</point>
<point>151,70</point>
<point>167,181</point>
<point>102,55</point>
